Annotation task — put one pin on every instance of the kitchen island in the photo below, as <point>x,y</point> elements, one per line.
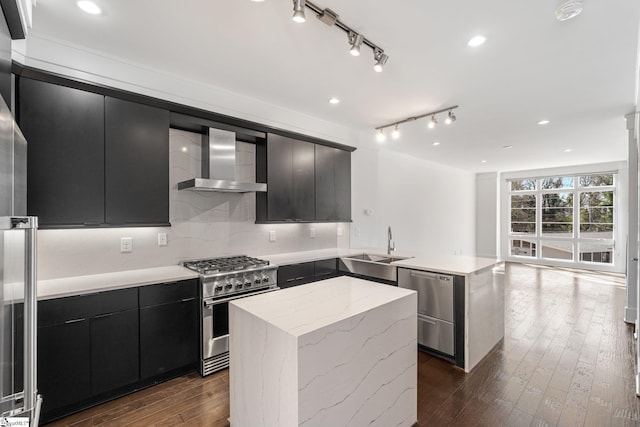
<point>340,351</point>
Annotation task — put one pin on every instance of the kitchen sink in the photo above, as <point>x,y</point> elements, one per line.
<point>371,266</point>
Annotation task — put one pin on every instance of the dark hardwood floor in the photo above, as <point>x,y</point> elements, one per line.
<point>567,359</point>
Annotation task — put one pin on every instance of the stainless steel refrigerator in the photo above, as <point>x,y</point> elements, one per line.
<point>19,400</point>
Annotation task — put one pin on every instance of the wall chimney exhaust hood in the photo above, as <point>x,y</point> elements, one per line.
<point>219,166</point>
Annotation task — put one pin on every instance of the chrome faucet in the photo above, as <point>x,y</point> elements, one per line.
<point>390,245</point>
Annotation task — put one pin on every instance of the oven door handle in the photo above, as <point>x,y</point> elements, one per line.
<point>211,302</point>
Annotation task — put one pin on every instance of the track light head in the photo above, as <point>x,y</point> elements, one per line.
<point>381,58</point>
<point>433,122</point>
<point>396,133</point>
<point>450,118</point>
<point>380,137</point>
<point>356,42</point>
<point>298,11</point>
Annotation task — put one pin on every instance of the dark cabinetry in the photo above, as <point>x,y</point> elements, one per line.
<point>168,327</point>
<point>306,272</point>
<point>87,345</point>
<point>94,347</point>
<point>306,182</point>
<point>65,162</point>
<point>93,160</point>
<point>290,180</point>
<point>137,163</point>
<point>333,184</point>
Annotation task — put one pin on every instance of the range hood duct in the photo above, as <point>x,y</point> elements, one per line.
<point>219,166</point>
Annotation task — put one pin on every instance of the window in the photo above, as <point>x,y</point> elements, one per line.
<point>563,218</point>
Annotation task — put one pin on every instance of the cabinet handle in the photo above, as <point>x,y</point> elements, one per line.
<point>169,283</point>
<point>427,320</point>
<point>103,316</point>
<point>74,321</point>
<point>292,279</point>
<point>188,299</point>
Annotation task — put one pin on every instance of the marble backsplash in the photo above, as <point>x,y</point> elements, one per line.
<point>203,224</point>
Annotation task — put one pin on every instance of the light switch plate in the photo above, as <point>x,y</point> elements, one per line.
<point>126,244</point>
<point>312,233</point>
<point>162,239</point>
<point>272,235</point>
<point>340,231</point>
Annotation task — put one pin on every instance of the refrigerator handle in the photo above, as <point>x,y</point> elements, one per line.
<point>32,401</point>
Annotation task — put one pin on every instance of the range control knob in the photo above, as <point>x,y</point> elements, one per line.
<point>265,279</point>
<point>247,284</point>
<point>257,280</point>
<point>239,285</point>
<point>218,288</point>
<point>228,285</point>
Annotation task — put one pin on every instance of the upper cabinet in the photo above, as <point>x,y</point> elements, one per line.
<point>333,184</point>
<point>306,182</point>
<point>136,163</point>
<point>93,160</point>
<point>64,128</point>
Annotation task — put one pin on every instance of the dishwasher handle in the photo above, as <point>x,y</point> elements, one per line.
<point>433,276</point>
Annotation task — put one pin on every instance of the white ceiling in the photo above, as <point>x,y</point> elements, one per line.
<point>579,74</point>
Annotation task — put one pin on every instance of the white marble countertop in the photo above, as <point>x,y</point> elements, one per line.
<point>452,264</point>
<point>302,309</point>
<point>68,286</point>
<point>78,285</point>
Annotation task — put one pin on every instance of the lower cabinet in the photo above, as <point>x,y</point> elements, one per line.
<point>114,351</point>
<point>307,272</point>
<point>168,328</point>
<point>93,348</point>
<point>64,364</point>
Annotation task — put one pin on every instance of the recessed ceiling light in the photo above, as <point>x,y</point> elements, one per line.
<point>544,122</point>
<point>507,146</point>
<point>477,41</point>
<point>89,7</point>
<point>483,161</point>
<point>436,143</point>
<point>569,10</point>
<point>568,150</point>
<point>334,100</point>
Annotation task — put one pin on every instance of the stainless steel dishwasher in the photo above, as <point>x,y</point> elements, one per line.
<point>435,308</point>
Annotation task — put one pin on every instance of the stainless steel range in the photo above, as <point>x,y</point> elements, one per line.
<point>223,280</point>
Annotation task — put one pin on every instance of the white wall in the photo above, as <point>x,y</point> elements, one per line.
<point>487,218</point>
<point>430,207</point>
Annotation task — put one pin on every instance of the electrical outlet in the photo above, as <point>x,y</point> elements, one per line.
<point>340,231</point>
<point>272,235</point>
<point>126,244</point>
<point>162,239</point>
<point>312,233</point>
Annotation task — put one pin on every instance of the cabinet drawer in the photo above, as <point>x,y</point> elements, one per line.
<point>168,292</point>
<point>435,292</point>
<point>326,269</point>
<point>295,274</point>
<point>436,334</point>
<point>60,310</point>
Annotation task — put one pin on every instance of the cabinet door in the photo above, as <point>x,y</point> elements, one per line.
<point>137,163</point>
<point>168,337</point>
<point>279,178</point>
<point>333,184</point>
<point>290,179</point>
<point>64,367</point>
<point>303,198</point>
<point>342,167</point>
<point>114,351</point>
<point>64,128</point>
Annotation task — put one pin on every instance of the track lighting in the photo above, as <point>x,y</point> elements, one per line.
<point>356,42</point>
<point>450,118</point>
<point>380,58</point>
<point>329,17</point>
<point>298,10</point>
<point>395,134</point>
